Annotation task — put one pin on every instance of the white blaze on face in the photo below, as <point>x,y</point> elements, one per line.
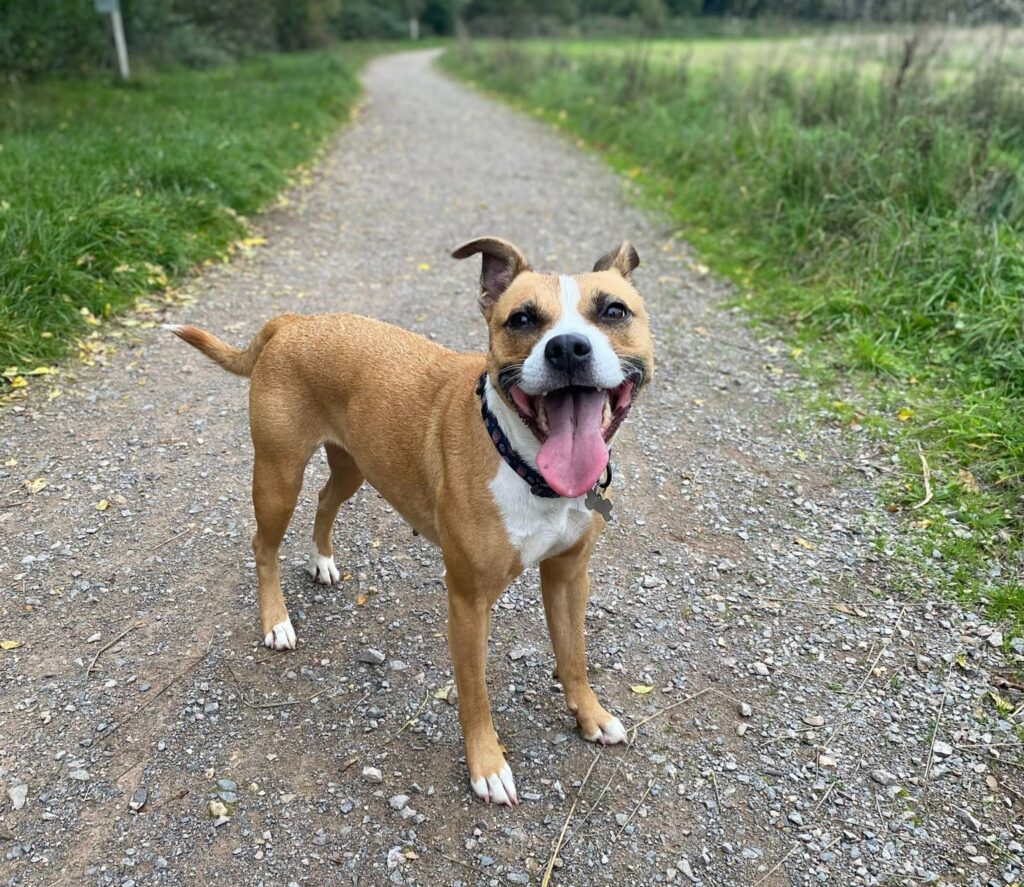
<point>607,372</point>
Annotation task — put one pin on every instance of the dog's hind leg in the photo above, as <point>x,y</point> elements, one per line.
<point>345,479</point>
<point>276,482</point>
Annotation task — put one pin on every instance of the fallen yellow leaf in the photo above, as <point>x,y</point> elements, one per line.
<point>10,645</point>
<point>424,266</point>
<point>34,486</point>
<point>361,599</point>
<point>905,414</point>
<point>443,692</point>
<point>967,480</point>
<point>18,382</point>
<point>642,689</point>
<point>804,543</point>
<point>102,505</point>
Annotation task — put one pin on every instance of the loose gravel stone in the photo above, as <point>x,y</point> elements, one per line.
<point>884,777</point>
<point>18,795</point>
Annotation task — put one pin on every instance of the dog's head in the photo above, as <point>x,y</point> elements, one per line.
<point>568,353</point>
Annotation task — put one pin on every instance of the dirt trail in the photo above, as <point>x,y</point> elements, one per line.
<point>748,566</point>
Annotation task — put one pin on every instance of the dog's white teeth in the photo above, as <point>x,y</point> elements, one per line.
<point>606,413</point>
<point>542,419</point>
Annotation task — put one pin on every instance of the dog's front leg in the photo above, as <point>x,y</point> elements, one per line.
<point>565,585</point>
<point>469,619</point>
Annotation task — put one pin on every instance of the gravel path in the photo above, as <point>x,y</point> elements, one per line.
<point>747,615</point>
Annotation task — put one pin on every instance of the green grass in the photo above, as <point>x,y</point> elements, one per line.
<point>108,190</point>
<point>870,204</point>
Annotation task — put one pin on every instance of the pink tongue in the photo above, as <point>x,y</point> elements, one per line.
<point>574,454</point>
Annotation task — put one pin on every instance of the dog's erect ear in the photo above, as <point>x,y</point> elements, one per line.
<point>503,262</point>
<point>622,259</point>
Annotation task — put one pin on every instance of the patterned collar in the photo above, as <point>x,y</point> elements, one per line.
<point>538,486</point>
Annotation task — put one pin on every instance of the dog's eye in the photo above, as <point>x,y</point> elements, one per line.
<point>615,311</point>
<point>519,320</point>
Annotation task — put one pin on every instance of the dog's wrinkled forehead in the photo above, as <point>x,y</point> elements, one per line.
<point>506,278</point>
<point>555,298</point>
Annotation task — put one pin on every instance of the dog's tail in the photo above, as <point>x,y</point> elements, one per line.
<point>234,360</point>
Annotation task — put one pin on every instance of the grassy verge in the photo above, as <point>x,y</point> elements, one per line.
<point>874,207</point>
<point>108,190</point>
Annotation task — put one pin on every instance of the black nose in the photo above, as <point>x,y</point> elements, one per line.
<point>567,352</point>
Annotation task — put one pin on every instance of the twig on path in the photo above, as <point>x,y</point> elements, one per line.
<point>176,536</point>
<point>718,797</point>
<point>884,647</point>
<point>784,736</point>
<point>629,818</point>
<point>926,474</point>
<point>260,705</point>
<point>867,675</point>
<point>106,647</point>
<point>666,709</point>
<point>824,797</point>
<point>565,825</point>
<point>777,865</point>
<point>423,705</point>
<point>632,739</point>
<point>938,721</point>
<point>462,862</point>
<point>190,667</point>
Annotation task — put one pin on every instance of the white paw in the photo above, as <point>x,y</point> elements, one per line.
<point>322,568</point>
<point>281,636</point>
<point>611,733</point>
<point>499,788</point>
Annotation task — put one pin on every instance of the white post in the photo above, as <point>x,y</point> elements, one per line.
<point>119,42</point>
<point>414,28</point>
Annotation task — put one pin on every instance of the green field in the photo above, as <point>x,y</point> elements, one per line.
<point>108,191</point>
<point>946,52</point>
<point>866,194</point>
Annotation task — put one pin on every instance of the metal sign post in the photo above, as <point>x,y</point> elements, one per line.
<point>113,9</point>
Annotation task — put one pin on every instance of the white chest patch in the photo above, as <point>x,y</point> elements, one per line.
<point>538,528</point>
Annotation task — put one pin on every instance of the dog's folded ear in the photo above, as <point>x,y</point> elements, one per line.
<point>503,262</point>
<point>622,259</point>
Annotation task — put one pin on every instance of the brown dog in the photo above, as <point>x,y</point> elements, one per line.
<point>496,457</point>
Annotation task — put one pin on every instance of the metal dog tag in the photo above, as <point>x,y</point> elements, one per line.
<point>596,502</point>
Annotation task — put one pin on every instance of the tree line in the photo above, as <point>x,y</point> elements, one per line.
<point>69,37</point>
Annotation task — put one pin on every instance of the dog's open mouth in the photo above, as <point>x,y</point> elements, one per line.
<point>574,425</point>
